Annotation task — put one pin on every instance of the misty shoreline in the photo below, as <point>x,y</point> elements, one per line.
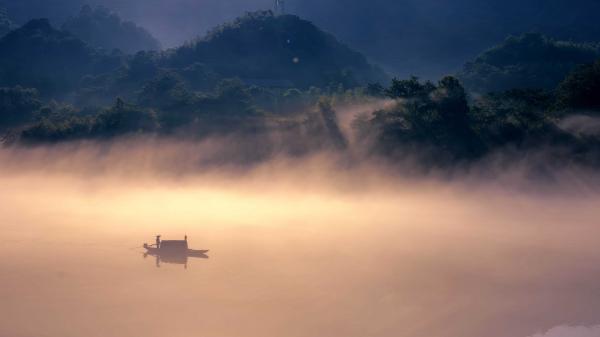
<point>148,159</point>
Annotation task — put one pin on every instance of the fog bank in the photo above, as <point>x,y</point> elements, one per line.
<point>304,247</point>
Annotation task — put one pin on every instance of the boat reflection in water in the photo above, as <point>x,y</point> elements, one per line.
<point>172,251</point>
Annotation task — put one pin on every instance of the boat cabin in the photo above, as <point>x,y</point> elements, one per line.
<point>165,246</point>
<point>174,245</point>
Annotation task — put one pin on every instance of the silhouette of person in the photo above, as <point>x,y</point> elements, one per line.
<point>158,241</point>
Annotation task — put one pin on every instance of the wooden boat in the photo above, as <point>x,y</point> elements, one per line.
<point>172,251</point>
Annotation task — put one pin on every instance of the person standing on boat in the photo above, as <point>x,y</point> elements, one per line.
<point>158,241</point>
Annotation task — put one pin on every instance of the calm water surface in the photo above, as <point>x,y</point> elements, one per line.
<point>286,260</point>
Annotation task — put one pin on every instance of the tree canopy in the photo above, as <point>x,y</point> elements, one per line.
<point>529,61</point>
<point>581,89</point>
<point>52,61</point>
<point>298,51</point>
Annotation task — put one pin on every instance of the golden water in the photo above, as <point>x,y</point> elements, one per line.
<point>292,255</point>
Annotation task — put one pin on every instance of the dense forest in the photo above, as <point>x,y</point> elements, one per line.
<point>280,82</point>
<point>528,61</point>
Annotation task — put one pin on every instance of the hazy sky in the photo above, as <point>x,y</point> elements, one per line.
<point>174,21</point>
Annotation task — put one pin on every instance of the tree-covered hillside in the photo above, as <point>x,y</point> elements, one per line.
<point>189,91</point>
<point>436,124</point>
<point>428,38</point>
<point>260,49</point>
<point>38,55</point>
<point>527,61</point>
<point>277,81</point>
<point>265,46</point>
<point>102,28</point>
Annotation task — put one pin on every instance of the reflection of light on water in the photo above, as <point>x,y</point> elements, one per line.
<point>292,257</point>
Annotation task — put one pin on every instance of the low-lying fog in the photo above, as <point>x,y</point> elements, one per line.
<point>298,248</point>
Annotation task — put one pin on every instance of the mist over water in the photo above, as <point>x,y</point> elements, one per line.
<point>298,247</point>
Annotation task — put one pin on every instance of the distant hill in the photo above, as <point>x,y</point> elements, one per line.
<point>527,61</point>
<point>105,29</point>
<point>39,56</point>
<point>263,46</point>
<point>427,38</point>
<point>260,48</point>
<point>431,38</point>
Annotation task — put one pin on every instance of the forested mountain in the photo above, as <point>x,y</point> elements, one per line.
<point>266,77</point>
<point>105,29</point>
<point>427,38</point>
<point>52,61</point>
<point>527,61</point>
<point>261,45</point>
<point>259,48</point>
<point>430,38</point>
<point>240,78</point>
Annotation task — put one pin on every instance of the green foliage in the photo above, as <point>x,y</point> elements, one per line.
<point>17,106</point>
<point>439,126</point>
<point>167,91</point>
<point>126,81</point>
<point>200,76</point>
<point>581,89</point>
<point>297,51</point>
<point>37,55</point>
<point>61,123</point>
<point>232,97</point>
<point>436,117</point>
<point>123,118</point>
<point>514,117</point>
<point>528,61</point>
<point>410,88</point>
<point>57,122</point>
<point>102,28</point>
<point>143,66</point>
